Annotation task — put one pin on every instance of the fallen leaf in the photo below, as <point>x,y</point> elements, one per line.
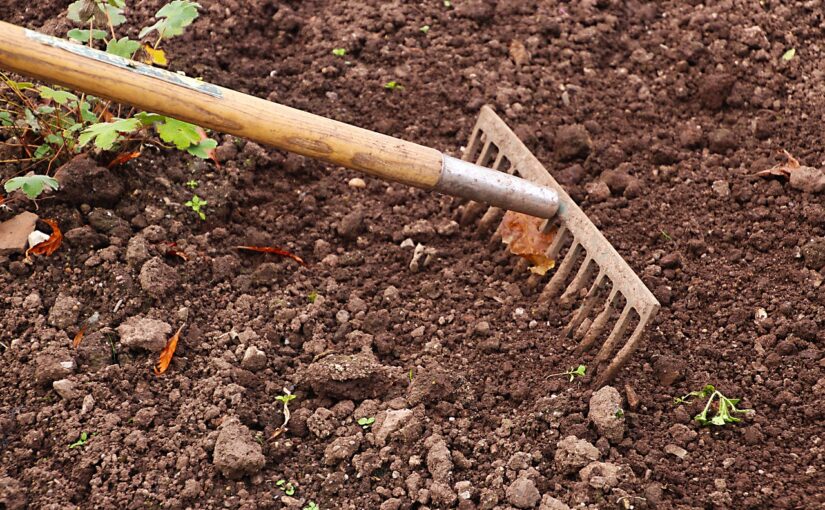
<point>173,251</point>
<point>524,237</point>
<point>122,158</point>
<point>276,251</point>
<point>166,354</point>
<point>79,336</point>
<point>154,57</point>
<point>50,245</point>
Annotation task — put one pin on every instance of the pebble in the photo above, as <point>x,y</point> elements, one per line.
<point>254,359</point>
<point>66,389</point>
<point>357,183</point>
<point>523,493</point>
<point>676,451</point>
<point>597,191</point>
<point>606,413</point>
<point>572,142</point>
<point>139,332</point>
<point>65,311</point>
<point>721,188</point>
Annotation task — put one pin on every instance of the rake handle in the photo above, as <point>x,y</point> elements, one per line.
<point>95,72</point>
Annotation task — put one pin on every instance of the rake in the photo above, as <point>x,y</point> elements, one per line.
<point>497,173</point>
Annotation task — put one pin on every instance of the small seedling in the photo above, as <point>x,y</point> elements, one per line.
<point>666,236</point>
<point>725,408</point>
<point>789,55</point>
<point>410,375</point>
<point>339,52</point>
<point>392,85</point>
<point>620,414</point>
<point>312,296</point>
<point>84,438</point>
<point>191,184</point>
<point>448,3</point>
<point>196,204</point>
<point>573,372</point>
<point>425,29</point>
<point>365,422</point>
<point>32,185</point>
<point>285,399</point>
<point>312,506</point>
<point>285,486</point>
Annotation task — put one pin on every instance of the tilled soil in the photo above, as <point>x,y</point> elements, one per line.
<point>677,105</point>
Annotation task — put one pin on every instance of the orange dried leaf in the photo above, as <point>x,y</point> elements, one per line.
<point>122,158</point>
<point>276,251</point>
<point>525,237</point>
<point>79,337</point>
<point>173,251</point>
<point>50,245</point>
<point>166,354</point>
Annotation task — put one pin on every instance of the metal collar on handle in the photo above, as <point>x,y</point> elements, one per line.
<point>474,182</point>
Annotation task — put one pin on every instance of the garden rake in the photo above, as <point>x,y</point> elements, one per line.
<point>504,174</point>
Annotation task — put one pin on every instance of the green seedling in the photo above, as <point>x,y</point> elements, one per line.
<point>724,410</point>
<point>789,55</point>
<point>620,414</point>
<point>191,184</point>
<point>366,422</point>
<point>312,296</point>
<point>410,375</point>
<point>312,506</point>
<point>339,52</point>
<point>285,486</point>
<point>285,399</point>
<point>84,438</point>
<point>32,185</point>
<point>392,85</point>
<point>448,3</point>
<point>573,372</point>
<point>666,236</point>
<point>197,204</point>
<point>425,29</point>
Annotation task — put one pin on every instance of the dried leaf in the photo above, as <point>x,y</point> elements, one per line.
<point>154,57</point>
<point>123,158</point>
<point>173,251</point>
<point>79,336</point>
<point>166,354</point>
<point>783,169</point>
<point>276,251</point>
<point>524,236</point>
<point>50,245</point>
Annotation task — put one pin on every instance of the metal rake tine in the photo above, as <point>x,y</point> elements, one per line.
<point>618,331</point>
<point>586,307</point>
<point>598,324</point>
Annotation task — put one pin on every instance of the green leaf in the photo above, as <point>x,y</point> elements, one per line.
<point>147,119</point>
<point>5,119</point>
<point>81,11</point>
<point>60,97</point>
<point>392,85</point>
<point>117,3</point>
<point>45,110</point>
<point>180,133</point>
<point>42,151</point>
<point>339,52</point>
<point>789,55</point>
<point>176,15</point>
<point>115,14</point>
<point>86,114</point>
<point>202,149</point>
<point>105,134</point>
<point>425,29</point>
<point>83,35</point>
<point>54,139</point>
<point>124,47</point>
<point>31,120</point>
<point>32,185</point>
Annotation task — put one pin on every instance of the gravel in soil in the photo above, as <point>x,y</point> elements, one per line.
<point>654,115</point>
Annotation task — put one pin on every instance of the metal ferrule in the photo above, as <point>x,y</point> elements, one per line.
<point>499,189</point>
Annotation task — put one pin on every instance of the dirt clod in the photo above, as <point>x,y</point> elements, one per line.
<point>236,453</point>
<point>64,312</point>
<point>83,181</point>
<point>157,278</point>
<point>606,413</point>
<point>573,454</point>
<point>572,142</point>
<point>350,376</point>
<point>523,493</point>
<point>140,332</point>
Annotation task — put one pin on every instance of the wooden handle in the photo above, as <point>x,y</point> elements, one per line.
<point>95,72</point>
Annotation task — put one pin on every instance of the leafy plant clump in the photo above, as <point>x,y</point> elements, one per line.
<point>724,410</point>
<point>312,506</point>
<point>197,204</point>
<point>574,372</point>
<point>366,422</point>
<point>82,440</point>
<point>32,185</point>
<point>287,487</point>
<point>45,125</point>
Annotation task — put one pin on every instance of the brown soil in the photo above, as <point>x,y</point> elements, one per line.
<point>674,95</point>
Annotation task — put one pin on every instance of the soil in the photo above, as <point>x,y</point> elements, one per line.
<point>682,103</point>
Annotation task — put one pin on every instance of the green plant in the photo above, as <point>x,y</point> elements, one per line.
<point>32,185</point>
<point>789,55</point>
<point>425,29</point>
<point>191,184</point>
<point>285,486</point>
<point>312,506</point>
<point>573,372</point>
<point>197,204</point>
<point>285,399</point>
<point>392,85</point>
<point>725,407</point>
<point>339,52</point>
<point>84,438</point>
<point>448,3</point>
<point>620,414</point>
<point>312,296</point>
<point>366,422</point>
<point>51,125</point>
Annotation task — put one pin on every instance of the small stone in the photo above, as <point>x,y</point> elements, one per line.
<point>66,389</point>
<point>676,451</point>
<point>573,453</point>
<point>808,179</point>
<point>65,311</point>
<point>418,230</point>
<point>814,253</point>
<point>606,413</point>
<point>721,188</point>
<point>519,53</point>
<point>548,502</point>
<point>351,225</point>
<point>523,493</point>
<point>254,359</point>
<point>722,140</point>
<point>597,191</point>
<point>88,404</point>
<point>447,228</point>
<point>236,453</point>
<point>667,370</point>
<point>572,142</point>
<point>14,233</point>
<point>139,332</point>
<point>357,183</point>
<point>390,422</point>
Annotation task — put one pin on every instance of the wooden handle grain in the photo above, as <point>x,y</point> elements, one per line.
<point>94,72</point>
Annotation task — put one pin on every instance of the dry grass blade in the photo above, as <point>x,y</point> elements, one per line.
<point>168,352</point>
<point>782,170</point>
<point>122,158</point>
<point>525,237</point>
<point>48,246</point>
<point>275,251</point>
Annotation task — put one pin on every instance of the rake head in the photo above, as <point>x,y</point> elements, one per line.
<point>602,283</point>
